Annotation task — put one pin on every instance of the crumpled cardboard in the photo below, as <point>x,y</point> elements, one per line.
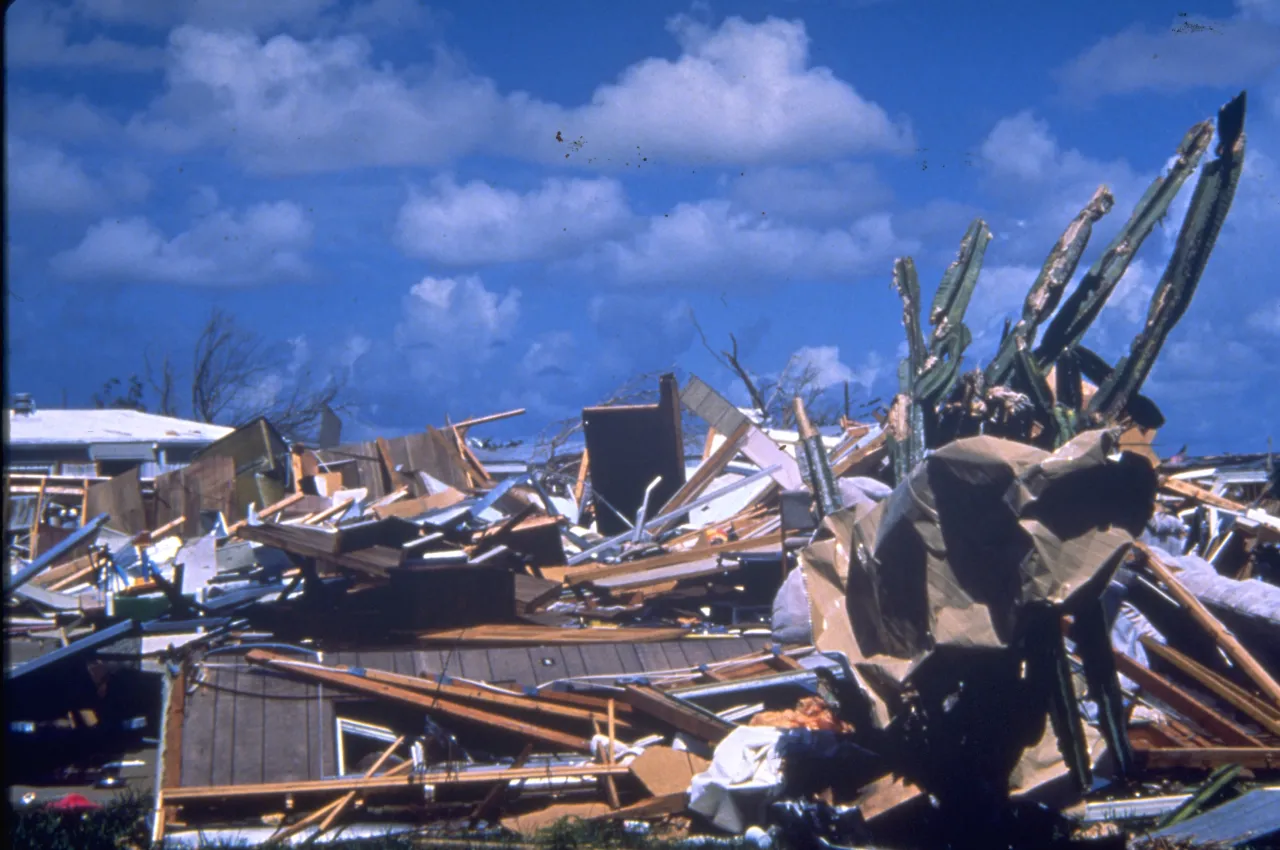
<point>980,531</point>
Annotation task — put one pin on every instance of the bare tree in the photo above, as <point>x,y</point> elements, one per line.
<point>162,384</point>
<point>230,366</point>
<point>773,397</point>
<point>230,363</point>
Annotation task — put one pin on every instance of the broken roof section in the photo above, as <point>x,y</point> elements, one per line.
<point>90,427</point>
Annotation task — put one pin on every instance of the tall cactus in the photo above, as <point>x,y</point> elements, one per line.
<point>906,433</point>
<point>1214,192</point>
<point>1052,281</point>
<point>1068,327</point>
<point>950,337</point>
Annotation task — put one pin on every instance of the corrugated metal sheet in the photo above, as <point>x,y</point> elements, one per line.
<point>1249,819</point>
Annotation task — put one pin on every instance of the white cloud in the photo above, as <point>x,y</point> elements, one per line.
<point>262,244</point>
<point>829,371</point>
<point>1021,147</point>
<point>451,326</point>
<point>1266,319</point>
<point>840,191</point>
<point>55,117</point>
<point>1190,52</point>
<point>36,36</point>
<point>707,244</point>
<point>742,93</point>
<point>292,106</point>
<point>42,178</point>
<point>355,347</point>
<point>550,354</point>
<point>45,179</point>
<point>478,223</point>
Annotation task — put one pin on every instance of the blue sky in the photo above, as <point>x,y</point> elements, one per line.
<point>378,187</point>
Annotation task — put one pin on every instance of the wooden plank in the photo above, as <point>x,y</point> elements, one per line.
<point>250,751</point>
<point>1208,758</point>
<point>286,748</point>
<point>1184,703</point>
<point>706,473</point>
<point>511,665</point>
<point>171,766</point>
<point>316,734</point>
<point>602,659</point>
<point>652,658</point>
<point>574,663</point>
<point>385,783</point>
<point>368,687</point>
<point>471,664</point>
<point>1226,690</point>
<point>1221,634</point>
<point>121,497</point>
<point>542,672</point>
<point>197,738</point>
<point>697,651</point>
<point>629,657</point>
<point>1195,492</point>
<point>677,714</point>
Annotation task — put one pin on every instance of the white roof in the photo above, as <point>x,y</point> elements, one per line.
<point>85,427</point>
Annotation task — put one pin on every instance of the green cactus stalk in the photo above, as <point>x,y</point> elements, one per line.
<point>906,440</point>
<point>1052,281</point>
<point>1068,327</point>
<point>1210,203</point>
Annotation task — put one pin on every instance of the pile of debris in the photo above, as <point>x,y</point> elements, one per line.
<point>993,615</point>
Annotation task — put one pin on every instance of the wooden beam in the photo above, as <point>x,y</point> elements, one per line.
<point>583,465</point>
<point>676,714</point>
<point>369,687</point>
<point>1226,690</point>
<point>1195,492</point>
<point>486,807</point>
<point>706,473</point>
<point>590,573</point>
<point>1208,758</point>
<point>1211,624</point>
<point>384,783</point>
<point>492,417</point>
<point>1184,703</point>
<point>333,510</point>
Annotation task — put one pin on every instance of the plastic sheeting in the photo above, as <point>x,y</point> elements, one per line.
<point>745,771</point>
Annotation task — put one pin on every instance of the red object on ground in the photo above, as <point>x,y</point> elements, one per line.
<point>73,803</point>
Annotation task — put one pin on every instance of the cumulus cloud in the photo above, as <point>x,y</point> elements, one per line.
<point>44,179</point>
<point>707,244</point>
<point>843,190</point>
<point>263,243</point>
<point>741,93</point>
<point>452,326</point>
<point>286,105</point>
<point>551,354</point>
<point>827,370</point>
<point>36,36</point>
<point>478,223</point>
<point>1190,52</point>
<point>1266,319</point>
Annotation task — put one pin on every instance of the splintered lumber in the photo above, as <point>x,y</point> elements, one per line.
<point>340,507</point>
<point>1184,703</point>
<point>489,805</point>
<point>363,685</point>
<point>1225,639</point>
<point>269,511</point>
<point>1208,758</point>
<point>705,474</point>
<point>435,687</point>
<point>874,448</point>
<point>1195,492</point>
<point>518,635</point>
<point>678,714</point>
<point>588,574</point>
<point>328,813</point>
<point>492,417</point>
<point>387,783</point>
<point>1226,690</point>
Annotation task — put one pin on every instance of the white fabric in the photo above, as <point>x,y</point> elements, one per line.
<point>746,765</point>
